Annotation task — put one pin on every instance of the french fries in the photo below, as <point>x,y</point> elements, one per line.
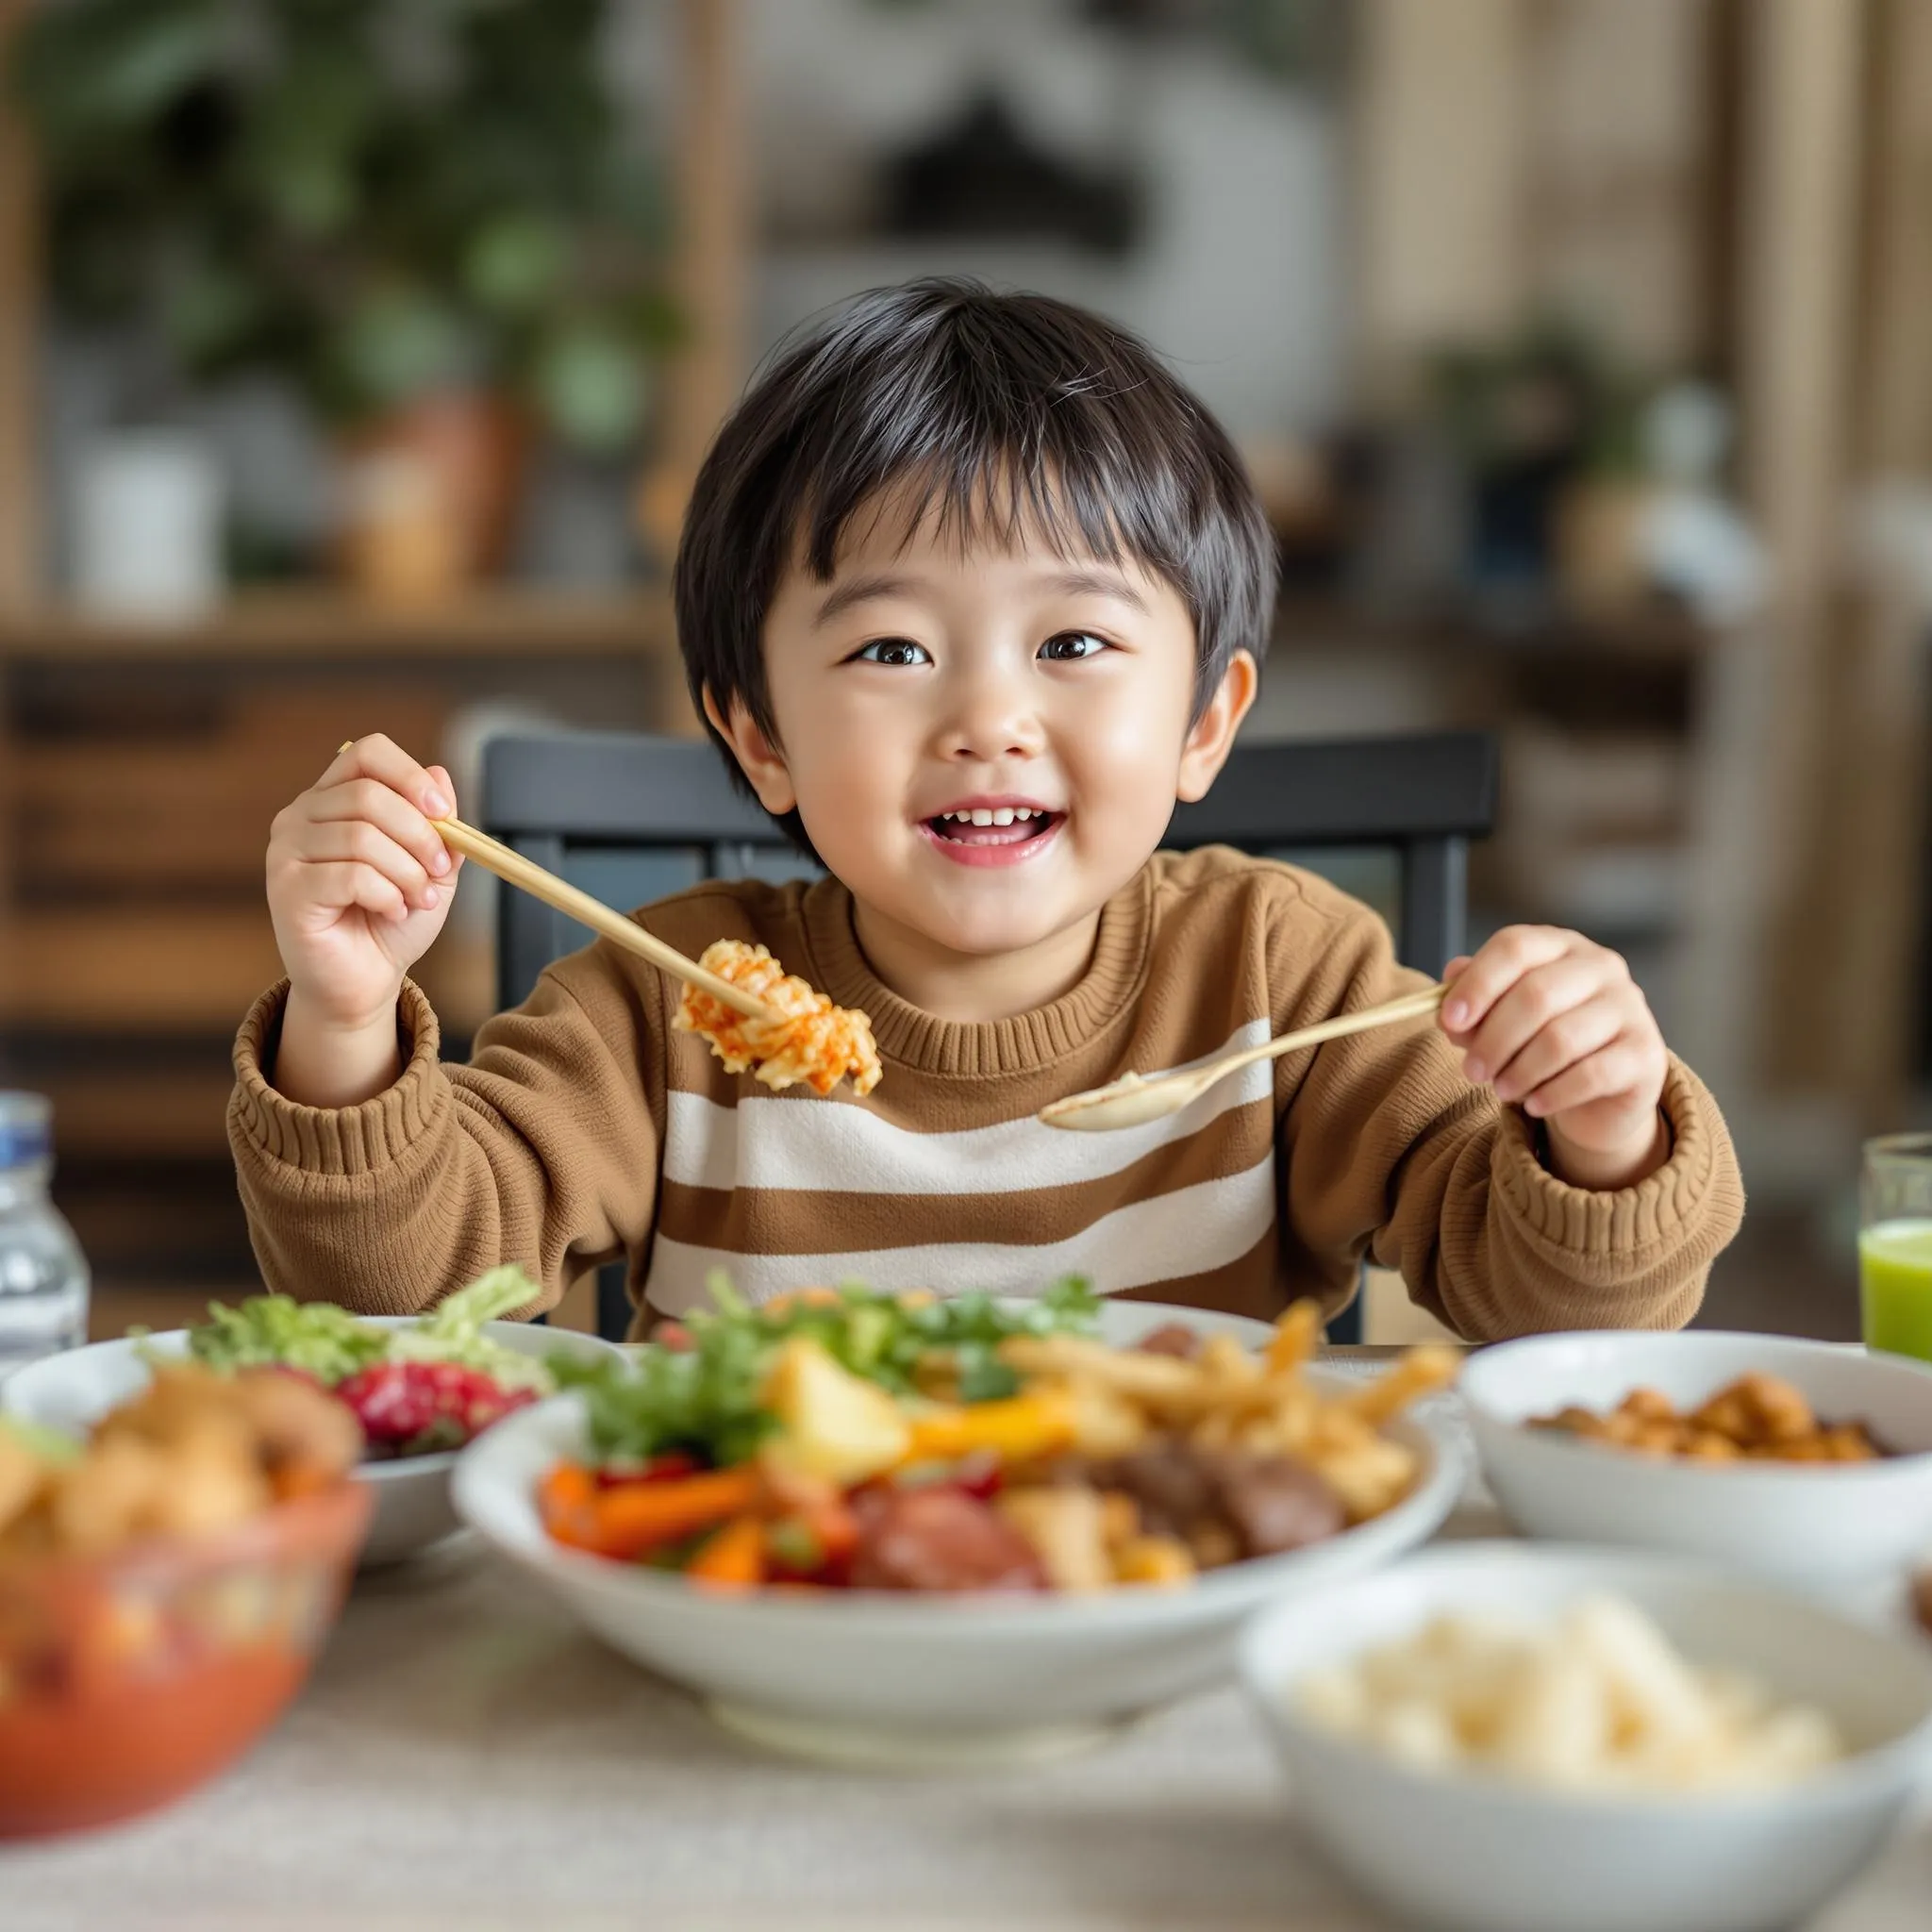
<point>1225,1398</point>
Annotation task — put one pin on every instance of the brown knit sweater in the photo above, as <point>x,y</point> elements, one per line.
<point>584,1129</point>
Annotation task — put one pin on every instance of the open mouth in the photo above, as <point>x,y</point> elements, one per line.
<point>992,832</point>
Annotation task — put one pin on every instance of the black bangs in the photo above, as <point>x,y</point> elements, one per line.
<point>992,419</point>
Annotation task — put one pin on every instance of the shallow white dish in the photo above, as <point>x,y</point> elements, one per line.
<point>72,1391</point>
<point>1829,1525</point>
<point>884,1679</point>
<point>1481,1855</point>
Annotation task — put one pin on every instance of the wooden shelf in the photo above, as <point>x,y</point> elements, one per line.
<point>506,622</point>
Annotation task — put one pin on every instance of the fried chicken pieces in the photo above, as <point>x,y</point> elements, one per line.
<point>811,1041</point>
<point>193,1453</point>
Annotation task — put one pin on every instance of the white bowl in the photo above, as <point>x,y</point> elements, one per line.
<point>1482,1854</point>
<point>1830,1526</point>
<point>879,1679</point>
<point>72,1391</point>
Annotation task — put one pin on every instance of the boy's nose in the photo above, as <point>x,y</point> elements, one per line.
<point>991,719</point>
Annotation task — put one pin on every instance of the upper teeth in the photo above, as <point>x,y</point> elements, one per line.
<point>1005,815</point>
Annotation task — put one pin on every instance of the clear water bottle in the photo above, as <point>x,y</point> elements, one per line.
<point>44,1276</point>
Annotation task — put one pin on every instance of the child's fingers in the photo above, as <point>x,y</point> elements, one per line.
<point>339,884</point>
<point>333,840</point>
<point>379,757</point>
<point>369,801</point>
<point>1617,1069</point>
<point>1567,1040</point>
<point>1539,997</point>
<point>447,787</point>
<point>1503,960</point>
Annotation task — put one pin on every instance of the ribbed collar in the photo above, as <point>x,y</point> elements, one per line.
<point>1016,1045</point>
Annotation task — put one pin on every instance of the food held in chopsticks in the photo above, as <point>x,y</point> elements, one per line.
<point>846,1438</point>
<point>1757,1418</point>
<point>415,1390</point>
<point>807,1041</point>
<point>1597,1702</point>
<point>194,1454</point>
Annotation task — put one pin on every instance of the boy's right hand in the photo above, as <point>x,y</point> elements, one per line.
<point>360,883</point>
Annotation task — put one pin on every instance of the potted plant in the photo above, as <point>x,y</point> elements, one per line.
<point>434,221</point>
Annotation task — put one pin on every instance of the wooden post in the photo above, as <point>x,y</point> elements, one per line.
<point>1802,88</point>
<point>714,240</point>
<point>20,282</point>
<point>1876,862</point>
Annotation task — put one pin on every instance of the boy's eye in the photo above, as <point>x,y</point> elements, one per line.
<point>1072,646</point>
<point>892,651</point>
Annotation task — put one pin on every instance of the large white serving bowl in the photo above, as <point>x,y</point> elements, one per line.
<point>71,1392</point>
<point>873,1677</point>
<point>1482,1854</point>
<point>1829,1525</point>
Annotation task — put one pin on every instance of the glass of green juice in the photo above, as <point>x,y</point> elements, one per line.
<point>1895,1244</point>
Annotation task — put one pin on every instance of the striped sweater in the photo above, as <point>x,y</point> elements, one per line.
<point>585,1129</point>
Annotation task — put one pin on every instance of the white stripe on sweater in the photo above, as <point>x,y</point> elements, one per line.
<point>820,1147</point>
<point>1191,1231</point>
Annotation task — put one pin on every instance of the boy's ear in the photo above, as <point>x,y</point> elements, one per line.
<point>756,756</point>
<point>1212,736</point>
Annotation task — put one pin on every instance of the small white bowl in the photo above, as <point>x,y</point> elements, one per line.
<point>71,1392</point>
<point>1828,1525</point>
<point>884,1679</point>
<point>1482,1854</point>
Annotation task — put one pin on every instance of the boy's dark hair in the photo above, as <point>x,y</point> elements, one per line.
<point>995,411</point>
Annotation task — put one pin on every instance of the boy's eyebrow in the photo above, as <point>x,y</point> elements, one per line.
<point>862,591</point>
<point>1070,583</point>
<point>1103,583</point>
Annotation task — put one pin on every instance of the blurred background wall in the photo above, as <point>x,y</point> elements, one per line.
<point>354,359</point>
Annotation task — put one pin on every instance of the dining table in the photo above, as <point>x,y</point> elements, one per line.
<point>467,1755</point>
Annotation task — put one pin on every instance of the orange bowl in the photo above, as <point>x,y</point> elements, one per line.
<point>127,1680</point>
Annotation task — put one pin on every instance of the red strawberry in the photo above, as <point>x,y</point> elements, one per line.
<point>413,1408</point>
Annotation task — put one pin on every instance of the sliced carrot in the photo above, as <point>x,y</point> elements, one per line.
<point>565,1500</point>
<point>734,1559</point>
<point>629,1522</point>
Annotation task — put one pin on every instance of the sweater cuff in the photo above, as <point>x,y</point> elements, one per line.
<point>339,1140</point>
<point>1626,1222</point>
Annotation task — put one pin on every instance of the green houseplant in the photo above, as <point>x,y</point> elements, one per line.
<point>433,220</point>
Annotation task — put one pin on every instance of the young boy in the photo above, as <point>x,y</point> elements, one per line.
<point>971,592</point>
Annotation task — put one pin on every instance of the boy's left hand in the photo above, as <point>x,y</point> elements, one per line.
<point>1556,1025</point>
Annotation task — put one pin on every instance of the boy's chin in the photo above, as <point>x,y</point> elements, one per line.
<point>986,932</point>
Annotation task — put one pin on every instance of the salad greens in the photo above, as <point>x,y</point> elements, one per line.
<point>705,1393</point>
<point>278,1331</point>
<point>453,1331</point>
<point>331,1344</point>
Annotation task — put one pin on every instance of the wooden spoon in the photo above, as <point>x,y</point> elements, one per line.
<point>1135,1098</point>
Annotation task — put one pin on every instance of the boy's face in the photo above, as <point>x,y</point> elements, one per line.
<point>926,686</point>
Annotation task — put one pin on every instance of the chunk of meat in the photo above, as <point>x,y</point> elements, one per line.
<point>1257,1506</point>
<point>1172,1338</point>
<point>1171,1483</point>
<point>938,1539</point>
<point>1276,1503</point>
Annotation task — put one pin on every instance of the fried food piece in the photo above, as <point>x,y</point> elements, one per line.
<point>1757,1418</point>
<point>304,1437</point>
<point>810,1041</point>
<point>1066,1527</point>
<point>1162,1562</point>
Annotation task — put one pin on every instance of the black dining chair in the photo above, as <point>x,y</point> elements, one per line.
<point>630,818</point>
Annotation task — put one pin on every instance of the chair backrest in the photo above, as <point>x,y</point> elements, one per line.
<point>631,817</point>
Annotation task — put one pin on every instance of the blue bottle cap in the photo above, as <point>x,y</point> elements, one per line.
<point>25,1129</point>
